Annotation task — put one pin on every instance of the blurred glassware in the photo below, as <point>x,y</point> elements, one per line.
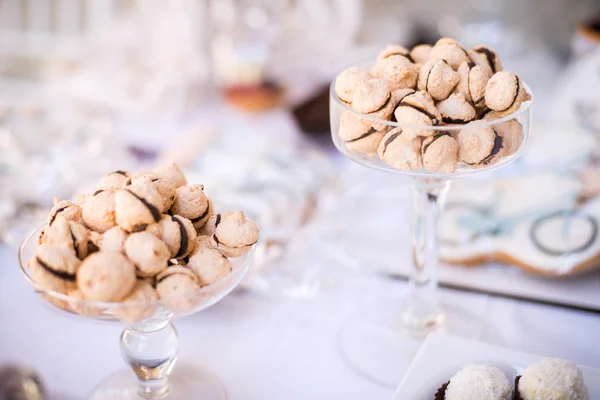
<point>49,149</point>
<point>19,383</point>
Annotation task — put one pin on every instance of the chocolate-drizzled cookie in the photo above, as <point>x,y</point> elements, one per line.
<point>437,78</point>
<point>440,153</point>
<point>417,109</point>
<point>179,235</point>
<point>456,110</point>
<point>504,93</point>
<point>399,152</point>
<point>54,267</point>
<point>137,206</point>
<point>235,235</point>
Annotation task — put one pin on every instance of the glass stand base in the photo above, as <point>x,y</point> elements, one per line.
<point>377,343</point>
<point>186,382</point>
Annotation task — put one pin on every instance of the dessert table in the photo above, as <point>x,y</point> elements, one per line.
<point>266,348</point>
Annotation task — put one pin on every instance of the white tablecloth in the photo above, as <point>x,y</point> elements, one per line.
<point>264,348</point>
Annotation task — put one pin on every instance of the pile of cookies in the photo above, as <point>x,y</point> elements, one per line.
<point>550,378</point>
<point>138,238</point>
<point>431,86</point>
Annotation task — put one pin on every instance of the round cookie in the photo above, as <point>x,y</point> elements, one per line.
<point>511,132</point>
<point>504,92</point>
<point>472,82</point>
<point>449,50</point>
<point>421,53</point>
<point>348,80</point>
<point>137,206</point>
<point>440,153</point>
<point>398,70</point>
<point>209,265</point>
<point>399,152</point>
<point>176,281</point>
<point>417,109</point>
<point>67,209</point>
<point>166,188</point>
<point>106,276</point>
<point>179,235</point>
<point>479,382</point>
<point>202,242</point>
<point>358,134</point>
<point>114,181</point>
<point>98,211</point>
<point>132,308</point>
<point>478,145</point>
<point>371,95</point>
<point>394,50</point>
<point>456,110</point>
<point>552,379</point>
<point>235,235</point>
<point>149,254</point>
<point>68,234</point>
<point>192,203</point>
<point>112,240</point>
<point>486,57</point>
<point>437,78</point>
<point>54,268</point>
<point>171,172</point>
<point>211,224</point>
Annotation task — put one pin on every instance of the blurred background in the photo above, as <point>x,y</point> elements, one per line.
<point>237,93</point>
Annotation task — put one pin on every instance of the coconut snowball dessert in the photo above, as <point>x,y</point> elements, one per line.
<point>235,235</point>
<point>552,379</point>
<point>479,382</point>
<point>430,86</point>
<point>122,243</point>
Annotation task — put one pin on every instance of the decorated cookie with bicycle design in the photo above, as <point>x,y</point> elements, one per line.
<point>536,222</point>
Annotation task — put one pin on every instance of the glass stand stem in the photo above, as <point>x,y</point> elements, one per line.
<point>151,355</point>
<point>421,314</point>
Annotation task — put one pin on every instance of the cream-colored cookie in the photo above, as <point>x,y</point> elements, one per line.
<point>440,153</point>
<point>149,254</point>
<point>456,110</point>
<point>479,145</point>
<point>68,234</point>
<point>98,211</point>
<point>399,72</point>
<point>449,50</point>
<point>486,57</point>
<point>164,186</point>
<point>511,132</point>
<point>371,95</point>
<point>139,304</point>
<point>176,281</point>
<point>111,240</point>
<point>106,276</point>
<point>192,203</point>
<point>54,268</point>
<point>417,109</point>
<point>179,235</point>
<point>472,82</point>
<point>421,53</point>
<point>137,206</point>
<point>437,78</point>
<point>399,152</point>
<point>171,172</point>
<point>67,209</point>
<point>235,235</point>
<point>348,80</point>
<point>209,265</point>
<point>504,92</point>
<point>552,379</point>
<point>202,242</point>
<point>114,181</point>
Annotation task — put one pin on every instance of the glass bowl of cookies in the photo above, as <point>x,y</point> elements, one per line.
<point>142,249</point>
<point>430,114</point>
